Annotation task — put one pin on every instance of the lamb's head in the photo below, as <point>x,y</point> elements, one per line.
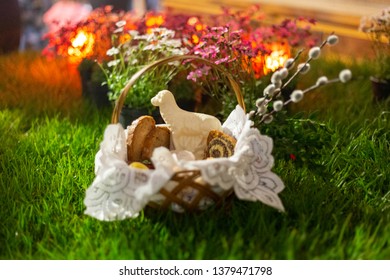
<point>162,97</point>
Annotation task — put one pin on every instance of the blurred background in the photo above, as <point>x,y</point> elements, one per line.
<point>23,21</point>
<point>339,16</point>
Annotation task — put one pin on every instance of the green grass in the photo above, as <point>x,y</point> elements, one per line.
<point>337,194</point>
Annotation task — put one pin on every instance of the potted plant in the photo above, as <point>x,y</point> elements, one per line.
<point>377,27</point>
<point>132,51</point>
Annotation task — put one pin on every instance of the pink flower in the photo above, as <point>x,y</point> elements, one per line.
<point>222,60</point>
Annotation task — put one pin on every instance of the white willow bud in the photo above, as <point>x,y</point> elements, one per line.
<point>296,95</point>
<point>345,75</point>
<point>261,110</point>
<point>289,63</point>
<point>283,73</point>
<point>314,52</point>
<point>278,105</point>
<point>276,77</point>
<point>260,102</point>
<point>322,81</point>
<point>303,68</point>
<point>268,119</point>
<point>277,84</point>
<point>251,114</point>
<point>269,90</point>
<point>332,40</point>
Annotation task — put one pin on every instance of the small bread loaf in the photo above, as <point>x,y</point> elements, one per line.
<point>137,133</point>
<point>219,144</point>
<point>160,136</point>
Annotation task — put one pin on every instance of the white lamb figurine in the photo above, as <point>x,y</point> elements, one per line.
<point>189,130</point>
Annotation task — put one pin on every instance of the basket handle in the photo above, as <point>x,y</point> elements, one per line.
<point>120,101</point>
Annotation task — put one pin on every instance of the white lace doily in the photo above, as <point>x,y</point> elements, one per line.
<point>119,191</point>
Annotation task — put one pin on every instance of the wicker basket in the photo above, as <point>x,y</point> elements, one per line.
<point>186,191</point>
<point>119,192</point>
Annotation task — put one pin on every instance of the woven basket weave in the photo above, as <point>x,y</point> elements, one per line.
<point>186,190</point>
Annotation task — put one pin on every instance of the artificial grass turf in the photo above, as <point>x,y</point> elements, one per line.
<point>337,195</point>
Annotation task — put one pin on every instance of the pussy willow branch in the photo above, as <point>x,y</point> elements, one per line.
<point>305,63</point>
<point>297,72</point>
<point>311,88</point>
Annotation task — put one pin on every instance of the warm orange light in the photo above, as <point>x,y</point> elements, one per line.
<point>195,39</point>
<point>257,66</point>
<point>124,38</point>
<point>261,64</point>
<point>81,45</point>
<point>276,59</point>
<point>253,65</point>
<point>199,27</point>
<point>195,22</point>
<point>79,40</point>
<point>192,21</point>
<point>154,21</point>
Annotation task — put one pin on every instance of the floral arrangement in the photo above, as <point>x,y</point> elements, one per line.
<point>130,52</point>
<point>377,27</point>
